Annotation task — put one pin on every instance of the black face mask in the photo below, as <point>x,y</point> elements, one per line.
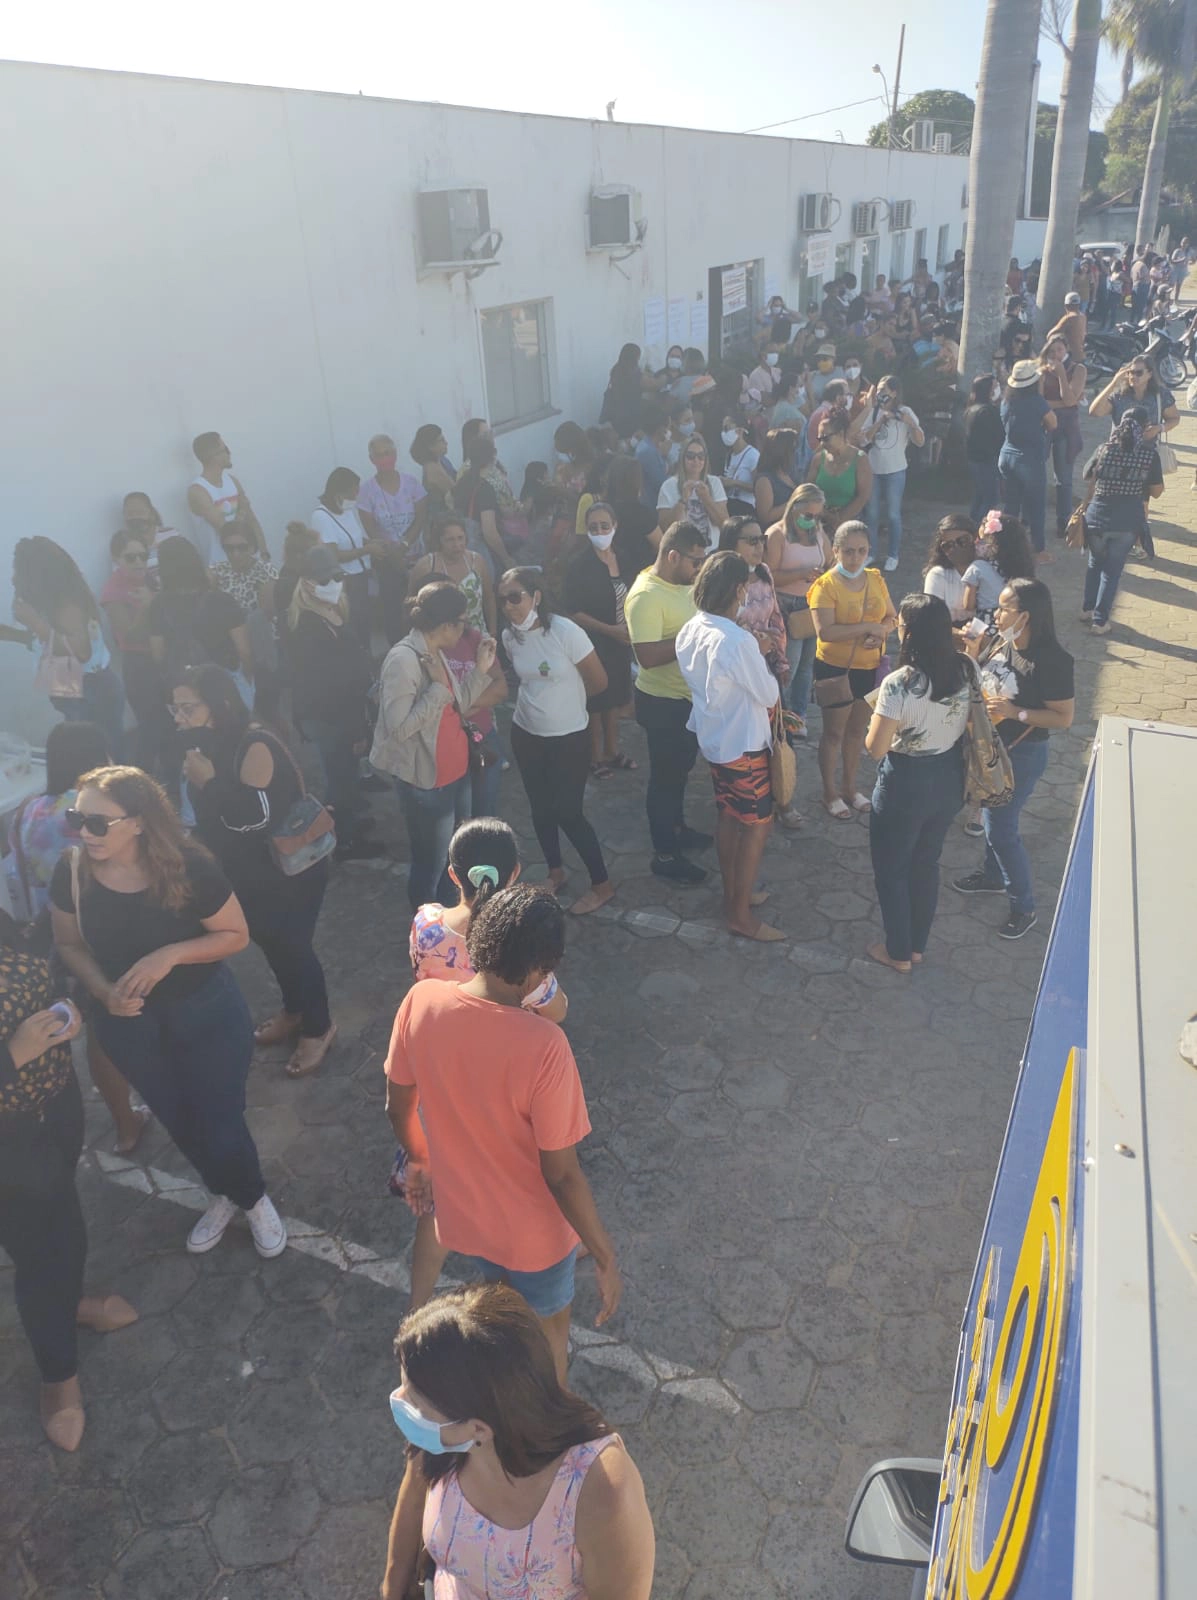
<point>205,740</point>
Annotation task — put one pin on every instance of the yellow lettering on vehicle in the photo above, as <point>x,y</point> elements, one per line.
<point>1010,1392</point>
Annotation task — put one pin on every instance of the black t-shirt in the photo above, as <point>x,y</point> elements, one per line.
<point>121,928</point>
<point>197,628</point>
<point>1015,339</point>
<point>984,434</point>
<point>1043,673</point>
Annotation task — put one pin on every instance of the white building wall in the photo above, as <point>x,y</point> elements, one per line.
<point>181,255</point>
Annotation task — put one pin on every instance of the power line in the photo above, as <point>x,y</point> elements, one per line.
<point>868,100</point>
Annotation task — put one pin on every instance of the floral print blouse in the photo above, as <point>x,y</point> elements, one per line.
<point>478,1560</point>
<point>24,989</point>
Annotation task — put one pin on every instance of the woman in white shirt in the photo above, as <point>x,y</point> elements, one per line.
<point>739,466</point>
<point>883,430</point>
<point>692,495</point>
<point>337,522</point>
<point>734,694</point>
<point>916,734</point>
<point>558,670</point>
<point>952,552</point>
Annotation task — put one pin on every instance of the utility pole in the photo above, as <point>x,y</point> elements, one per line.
<point>893,116</point>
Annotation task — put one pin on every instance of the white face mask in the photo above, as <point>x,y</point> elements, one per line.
<point>686,429</point>
<point>1008,635</point>
<point>601,541</point>
<point>328,594</point>
<point>851,373</point>
<point>772,358</point>
<point>674,363</point>
<point>729,437</point>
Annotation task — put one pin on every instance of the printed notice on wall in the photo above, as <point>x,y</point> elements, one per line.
<point>735,290</point>
<point>700,325</point>
<point>679,322</point>
<point>818,256</point>
<point>654,326</point>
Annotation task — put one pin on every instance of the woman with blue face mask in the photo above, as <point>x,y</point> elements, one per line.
<point>853,615</point>
<point>508,1472</point>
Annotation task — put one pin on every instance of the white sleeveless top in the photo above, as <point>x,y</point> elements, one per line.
<point>226,500</point>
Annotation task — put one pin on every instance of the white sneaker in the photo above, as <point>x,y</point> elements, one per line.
<point>891,563</point>
<point>270,1236</point>
<point>209,1230</point>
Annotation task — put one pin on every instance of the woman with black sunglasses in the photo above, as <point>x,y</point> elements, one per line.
<point>952,551</point>
<point>145,920</point>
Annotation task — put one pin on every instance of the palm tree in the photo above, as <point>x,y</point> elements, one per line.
<point>1162,33</point>
<point>996,172</point>
<point>1068,159</point>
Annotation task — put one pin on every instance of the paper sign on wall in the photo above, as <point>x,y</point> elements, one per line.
<point>654,326</point>
<point>818,256</point>
<point>735,290</point>
<point>679,320</point>
<point>700,325</point>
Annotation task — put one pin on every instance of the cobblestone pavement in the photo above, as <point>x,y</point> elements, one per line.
<point>792,1147</point>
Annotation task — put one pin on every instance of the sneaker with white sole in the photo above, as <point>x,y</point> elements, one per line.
<point>209,1230</point>
<point>891,563</point>
<point>267,1227</point>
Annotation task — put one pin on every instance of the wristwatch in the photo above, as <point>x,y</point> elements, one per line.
<point>1023,717</point>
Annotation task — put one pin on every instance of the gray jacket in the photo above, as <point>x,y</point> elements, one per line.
<point>410,710</point>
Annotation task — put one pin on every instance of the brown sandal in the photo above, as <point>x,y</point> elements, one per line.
<point>310,1053</point>
<point>105,1313</point>
<point>278,1030</point>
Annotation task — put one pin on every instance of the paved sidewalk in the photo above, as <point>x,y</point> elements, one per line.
<point>792,1147</point>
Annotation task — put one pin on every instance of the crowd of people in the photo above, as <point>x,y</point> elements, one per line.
<point>710,591</point>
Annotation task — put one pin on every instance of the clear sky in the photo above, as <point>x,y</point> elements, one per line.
<point>734,65</point>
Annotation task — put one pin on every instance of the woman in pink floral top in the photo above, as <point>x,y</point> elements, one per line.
<point>761,614</point>
<point>483,858</point>
<point>516,1487</point>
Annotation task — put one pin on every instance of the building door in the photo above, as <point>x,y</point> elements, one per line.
<point>897,258</point>
<point>868,264</point>
<point>736,296</point>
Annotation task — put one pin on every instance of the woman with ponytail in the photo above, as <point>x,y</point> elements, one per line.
<point>483,858</point>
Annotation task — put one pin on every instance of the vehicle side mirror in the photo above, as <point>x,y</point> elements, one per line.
<point>893,1515</point>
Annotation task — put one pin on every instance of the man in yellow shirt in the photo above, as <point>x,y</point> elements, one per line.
<point>658,603</point>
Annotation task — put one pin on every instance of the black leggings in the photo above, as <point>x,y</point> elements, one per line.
<point>554,771</point>
<point>282,921</point>
<point>42,1229</point>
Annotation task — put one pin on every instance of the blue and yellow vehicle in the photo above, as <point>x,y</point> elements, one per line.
<point>1070,1467</point>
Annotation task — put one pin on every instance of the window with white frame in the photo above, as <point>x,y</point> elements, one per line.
<point>941,246</point>
<point>845,259</point>
<point>920,247</point>
<point>515,360</point>
<point>897,258</point>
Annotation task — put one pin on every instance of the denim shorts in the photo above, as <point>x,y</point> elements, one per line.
<point>548,1291</point>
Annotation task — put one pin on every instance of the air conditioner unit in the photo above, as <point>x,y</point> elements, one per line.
<point>611,218</point>
<point>455,228</point>
<point>814,213</point>
<point>901,215</point>
<point>943,144</point>
<point>920,135</point>
<point>864,218</point>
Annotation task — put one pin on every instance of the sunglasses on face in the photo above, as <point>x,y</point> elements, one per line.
<point>696,455</point>
<point>90,822</point>
<point>1138,372</point>
<point>134,561</point>
<point>511,598</point>
<point>955,544</point>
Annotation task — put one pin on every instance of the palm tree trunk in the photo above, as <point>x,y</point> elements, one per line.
<point>1068,161</point>
<point>1153,172</point>
<point>996,173</point>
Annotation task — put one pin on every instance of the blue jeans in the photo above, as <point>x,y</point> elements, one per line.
<point>914,802</point>
<point>800,653</point>
<point>1007,864</point>
<point>341,795</point>
<point>1066,445</point>
<point>1106,557</point>
<point>1024,489</point>
<point>887,486</point>
<point>431,817</point>
<point>189,1059</point>
<point>484,784</point>
<point>987,488</point>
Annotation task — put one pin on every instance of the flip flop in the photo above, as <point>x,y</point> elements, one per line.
<point>296,1068</point>
<point>599,769</point>
<point>861,802</point>
<point>622,763</point>
<point>763,935</point>
<point>837,809</point>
